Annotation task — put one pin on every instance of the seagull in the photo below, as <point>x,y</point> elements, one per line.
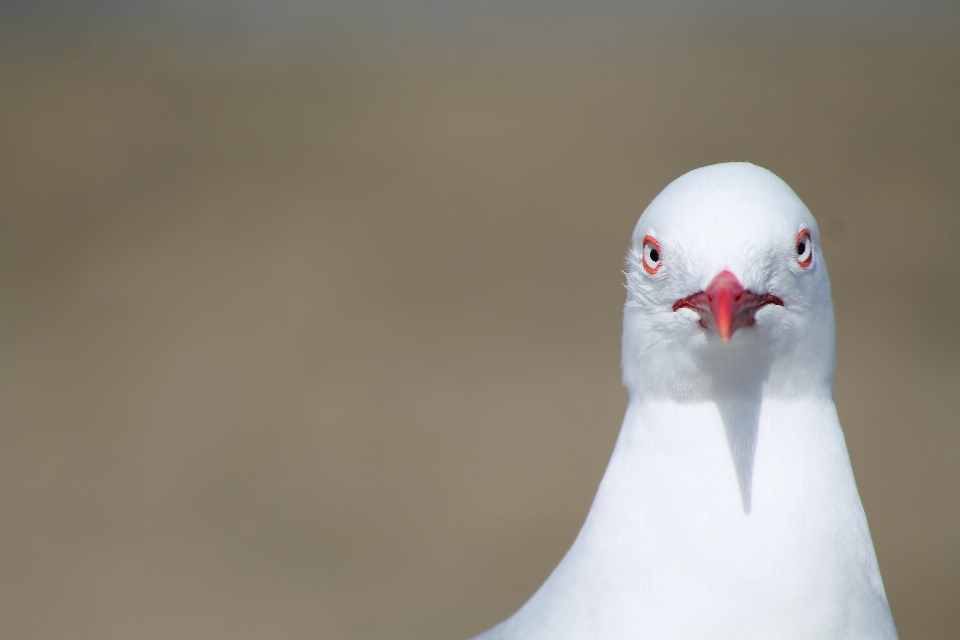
<point>729,507</point>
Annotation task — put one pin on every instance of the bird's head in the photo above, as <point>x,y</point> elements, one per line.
<point>727,291</point>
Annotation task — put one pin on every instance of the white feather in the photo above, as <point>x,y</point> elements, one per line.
<point>729,507</point>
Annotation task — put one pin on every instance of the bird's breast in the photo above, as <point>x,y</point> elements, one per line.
<point>694,547</point>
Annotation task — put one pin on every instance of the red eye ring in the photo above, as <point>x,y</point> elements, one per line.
<point>804,248</point>
<point>650,255</point>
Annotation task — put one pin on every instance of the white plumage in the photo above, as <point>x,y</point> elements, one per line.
<point>729,507</point>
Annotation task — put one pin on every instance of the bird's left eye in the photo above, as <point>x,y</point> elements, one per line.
<point>651,255</point>
<point>804,247</point>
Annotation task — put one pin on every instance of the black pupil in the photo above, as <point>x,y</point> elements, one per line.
<point>801,247</point>
<point>654,255</point>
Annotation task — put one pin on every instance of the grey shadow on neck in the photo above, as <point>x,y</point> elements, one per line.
<point>737,374</point>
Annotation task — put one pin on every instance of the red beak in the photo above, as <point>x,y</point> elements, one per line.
<point>726,305</point>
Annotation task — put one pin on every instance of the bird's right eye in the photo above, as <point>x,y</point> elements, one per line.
<point>804,248</point>
<point>651,255</point>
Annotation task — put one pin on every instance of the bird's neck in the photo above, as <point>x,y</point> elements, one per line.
<point>671,528</point>
<point>736,454</point>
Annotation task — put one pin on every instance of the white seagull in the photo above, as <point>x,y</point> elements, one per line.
<point>729,508</point>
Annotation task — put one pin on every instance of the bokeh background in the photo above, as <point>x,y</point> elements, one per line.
<point>310,314</point>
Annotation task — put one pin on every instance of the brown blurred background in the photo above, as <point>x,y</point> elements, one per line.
<point>320,338</point>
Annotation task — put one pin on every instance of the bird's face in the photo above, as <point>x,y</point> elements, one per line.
<point>727,290</point>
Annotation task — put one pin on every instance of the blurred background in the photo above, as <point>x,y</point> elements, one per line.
<point>310,314</point>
